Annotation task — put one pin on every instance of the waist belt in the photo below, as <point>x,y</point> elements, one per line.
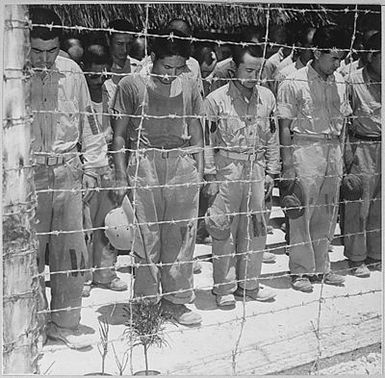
<point>174,153</point>
<point>363,137</point>
<point>245,156</point>
<point>316,136</point>
<point>51,160</point>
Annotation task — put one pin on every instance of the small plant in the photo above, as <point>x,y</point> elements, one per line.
<point>104,329</point>
<point>145,322</point>
<point>121,364</point>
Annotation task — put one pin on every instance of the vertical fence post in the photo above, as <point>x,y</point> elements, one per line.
<point>20,284</point>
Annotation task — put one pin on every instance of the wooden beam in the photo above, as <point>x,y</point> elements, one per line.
<point>19,248</point>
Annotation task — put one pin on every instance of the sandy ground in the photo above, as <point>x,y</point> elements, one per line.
<point>252,338</point>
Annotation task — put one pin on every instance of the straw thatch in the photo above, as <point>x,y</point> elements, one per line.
<point>218,17</point>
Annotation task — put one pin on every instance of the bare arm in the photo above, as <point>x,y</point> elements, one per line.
<point>120,125</point>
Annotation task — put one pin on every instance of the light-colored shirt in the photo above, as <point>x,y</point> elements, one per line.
<point>60,100</point>
<point>314,105</point>
<point>108,93</point>
<point>365,100</point>
<point>349,68</point>
<point>286,61</point>
<point>103,119</point>
<point>242,125</point>
<point>280,75</point>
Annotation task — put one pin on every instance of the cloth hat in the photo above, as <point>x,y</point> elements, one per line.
<point>121,230</point>
<point>351,187</point>
<point>217,224</point>
<point>292,198</point>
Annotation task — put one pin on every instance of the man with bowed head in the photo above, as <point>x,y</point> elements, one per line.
<point>63,127</point>
<point>157,117</point>
<point>240,165</point>
<point>312,110</point>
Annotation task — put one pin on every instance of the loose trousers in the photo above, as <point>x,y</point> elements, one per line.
<point>362,225</point>
<point>318,165</point>
<point>101,254</point>
<point>61,211</point>
<point>166,198</point>
<point>239,208</point>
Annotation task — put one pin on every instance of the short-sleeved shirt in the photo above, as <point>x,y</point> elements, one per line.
<point>241,125</point>
<point>136,97</point>
<point>314,105</point>
<point>63,115</point>
<point>365,100</point>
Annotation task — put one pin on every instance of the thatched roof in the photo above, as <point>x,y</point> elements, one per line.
<point>221,18</point>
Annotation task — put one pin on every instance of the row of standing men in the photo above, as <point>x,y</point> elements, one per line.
<point>252,139</point>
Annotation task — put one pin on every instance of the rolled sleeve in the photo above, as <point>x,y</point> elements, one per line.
<point>122,102</point>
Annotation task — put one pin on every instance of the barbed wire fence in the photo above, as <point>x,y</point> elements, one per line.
<point>21,277</point>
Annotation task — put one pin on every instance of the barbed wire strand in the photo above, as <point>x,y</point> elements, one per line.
<point>236,350</point>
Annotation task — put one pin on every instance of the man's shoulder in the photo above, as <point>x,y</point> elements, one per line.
<point>218,93</point>
<point>132,81</point>
<point>265,93</point>
<point>355,77</point>
<point>339,78</point>
<point>65,65</point>
<point>287,70</point>
<point>223,67</point>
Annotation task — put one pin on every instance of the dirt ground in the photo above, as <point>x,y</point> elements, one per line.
<point>253,338</point>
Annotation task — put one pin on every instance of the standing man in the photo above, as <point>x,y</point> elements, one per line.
<point>312,107</point>
<point>241,174</point>
<point>159,116</point>
<point>62,127</point>
<point>363,158</point>
<point>102,255</point>
<point>119,43</point>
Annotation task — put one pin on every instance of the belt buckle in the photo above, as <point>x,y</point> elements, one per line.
<point>52,160</point>
<point>165,154</point>
<point>41,160</point>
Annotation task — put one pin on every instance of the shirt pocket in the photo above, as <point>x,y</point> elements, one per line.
<point>231,126</point>
<point>67,123</point>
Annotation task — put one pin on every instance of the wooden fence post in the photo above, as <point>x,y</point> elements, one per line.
<point>20,283</point>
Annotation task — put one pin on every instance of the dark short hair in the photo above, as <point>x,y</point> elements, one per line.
<point>239,52</point>
<point>120,25</point>
<point>331,36</point>
<point>247,33</point>
<point>302,36</point>
<point>180,25</point>
<point>97,54</point>
<point>70,42</point>
<point>374,43</point>
<point>44,16</point>
<point>203,53</point>
<point>163,47</point>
